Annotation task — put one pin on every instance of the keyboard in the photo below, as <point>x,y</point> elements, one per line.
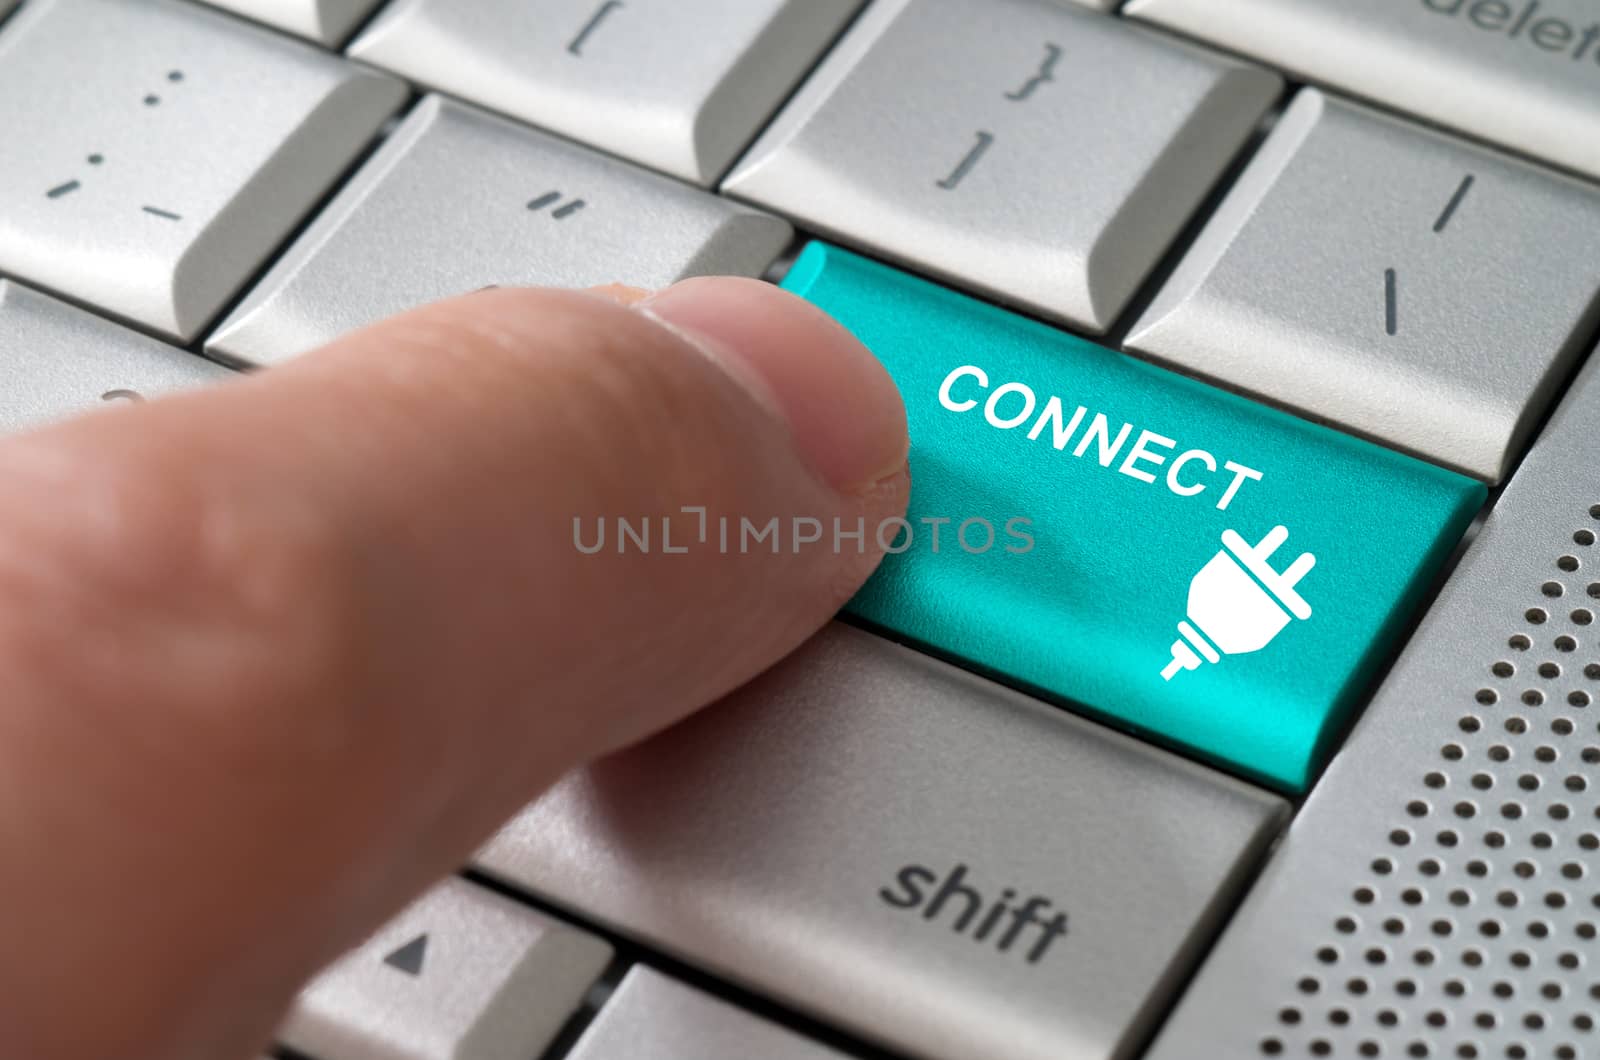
<point>1230,691</point>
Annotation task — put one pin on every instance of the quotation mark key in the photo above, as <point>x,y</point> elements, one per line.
<point>561,213</point>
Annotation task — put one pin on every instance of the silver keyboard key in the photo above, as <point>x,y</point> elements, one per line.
<point>57,360</point>
<point>679,86</point>
<point>935,863</point>
<point>462,974</point>
<point>457,199</point>
<point>651,1017</point>
<point>1413,289</point>
<point>1439,893</point>
<point>324,21</point>
<point>1521,73</point>
<point>155,152</point>
<point>1036,153</point>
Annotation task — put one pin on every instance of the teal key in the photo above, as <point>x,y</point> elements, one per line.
<point>1166,556</point>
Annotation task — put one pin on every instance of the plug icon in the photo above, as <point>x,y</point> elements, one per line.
<point>1238,602</point>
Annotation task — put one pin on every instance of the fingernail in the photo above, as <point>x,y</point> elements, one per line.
<point>620,293</point>
<point>844,412</point>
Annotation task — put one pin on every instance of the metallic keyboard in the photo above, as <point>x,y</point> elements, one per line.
<point>1252,711</point>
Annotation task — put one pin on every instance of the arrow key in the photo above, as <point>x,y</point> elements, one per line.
<point>462,974</point>
<point>409,958</point>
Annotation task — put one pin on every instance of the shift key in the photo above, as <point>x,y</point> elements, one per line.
<point>1165,556</point>
<point>916,854</point>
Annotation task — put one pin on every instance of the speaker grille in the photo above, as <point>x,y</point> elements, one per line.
<point>1472,932</point>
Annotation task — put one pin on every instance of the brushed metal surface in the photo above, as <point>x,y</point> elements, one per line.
<point>1439,893</point>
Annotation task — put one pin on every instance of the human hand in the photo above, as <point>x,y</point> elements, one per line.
<point>277,655</point>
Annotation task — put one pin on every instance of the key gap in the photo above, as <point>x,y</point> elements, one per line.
<point>788,97</point>
<point>1208,932</point>
<point>363,24</point>
<point>594,1000</point>
<point>293,236</point>
<point>96,310</point>
<point>630,952</point>
<point>1586,337</point>
<point>1338,737</point>
<point>781,265</point>
<point>1178,249</point>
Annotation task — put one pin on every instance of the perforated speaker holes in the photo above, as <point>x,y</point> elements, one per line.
<point>1472,932</point>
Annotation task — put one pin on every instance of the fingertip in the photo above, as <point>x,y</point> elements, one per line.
<point>843,410</point>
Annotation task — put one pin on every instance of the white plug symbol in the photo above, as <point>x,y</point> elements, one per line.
<point>1233,612</point>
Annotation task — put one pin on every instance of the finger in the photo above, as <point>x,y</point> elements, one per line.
<point>276,655</point>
